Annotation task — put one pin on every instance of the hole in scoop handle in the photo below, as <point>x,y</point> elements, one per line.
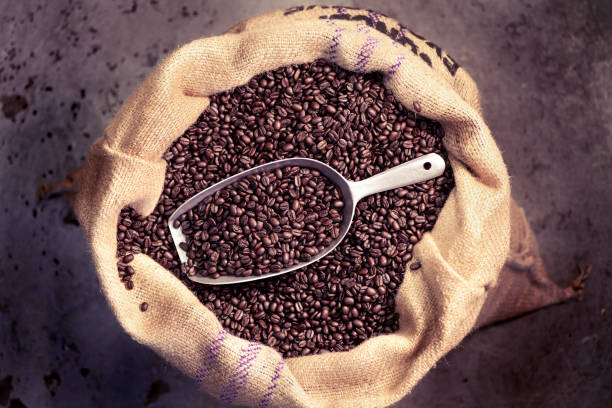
<point>414,171</point>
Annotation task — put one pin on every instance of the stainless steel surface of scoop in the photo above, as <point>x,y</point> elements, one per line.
<point>414,171</point>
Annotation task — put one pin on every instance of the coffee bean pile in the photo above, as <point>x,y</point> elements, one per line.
<point>263,223</point>
<point>346,119</point>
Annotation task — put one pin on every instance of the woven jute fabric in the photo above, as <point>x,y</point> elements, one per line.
<point>438,304</point>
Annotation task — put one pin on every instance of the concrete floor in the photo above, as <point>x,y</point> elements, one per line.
<point>544,72</point>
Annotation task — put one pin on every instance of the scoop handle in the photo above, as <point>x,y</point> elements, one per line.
<point>414,171</point>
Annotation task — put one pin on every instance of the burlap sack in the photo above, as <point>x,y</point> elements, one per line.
<point>438,304</point>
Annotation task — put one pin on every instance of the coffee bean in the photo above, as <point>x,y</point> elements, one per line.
<point>349,301</point>
<point>144,306</point>
<point>315,110</point>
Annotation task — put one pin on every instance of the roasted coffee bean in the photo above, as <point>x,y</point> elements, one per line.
<point>315,110</point>
<point>414,266</point>
<point>144,306</point>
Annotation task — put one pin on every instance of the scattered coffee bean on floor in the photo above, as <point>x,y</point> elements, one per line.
<point>144,306</point>
<point>345,119</point>
<point>262,223</point>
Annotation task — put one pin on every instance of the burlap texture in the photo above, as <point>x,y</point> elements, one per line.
<point>523,284</point>
<point>438,304</point>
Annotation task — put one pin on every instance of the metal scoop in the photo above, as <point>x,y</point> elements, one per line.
<point>415,171</point>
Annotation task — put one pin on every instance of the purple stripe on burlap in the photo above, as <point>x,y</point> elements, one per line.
<point>340,9</point>
<point>361,27</point>
<point>365,53</point>
<point>396,65</point>
<point>239,378</point>
<point>211,357</point>
<point>331,51</point>
<point>272,387</point>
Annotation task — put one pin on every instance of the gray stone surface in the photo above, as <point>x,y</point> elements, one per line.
<point>544,70</point>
